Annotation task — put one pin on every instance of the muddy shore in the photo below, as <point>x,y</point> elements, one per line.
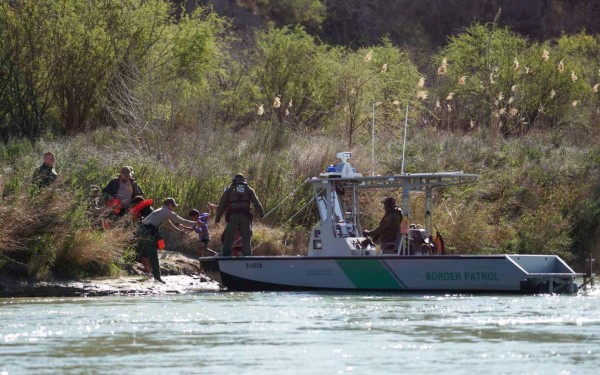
<point>181,273</point>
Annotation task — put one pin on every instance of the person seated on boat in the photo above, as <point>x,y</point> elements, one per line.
<point>389,228</point>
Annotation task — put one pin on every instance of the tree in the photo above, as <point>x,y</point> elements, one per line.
<point>380,75</point>
<point>291,69</point>
<point>25,86</point>
<point>489,76</point>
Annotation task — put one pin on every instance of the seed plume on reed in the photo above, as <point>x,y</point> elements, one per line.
<point>573,76</point>
<point>516,64</point>
<point>421,83</point>
<point>595,88</point>
<point>422,95</point>
<point>443,67</point>
<point>462,80</point>
<point>561,67</point>
<point>545,55</point>
<point>261,110</point>
<point>277,102</point>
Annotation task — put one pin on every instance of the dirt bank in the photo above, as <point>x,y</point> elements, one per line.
<point>181,273</point>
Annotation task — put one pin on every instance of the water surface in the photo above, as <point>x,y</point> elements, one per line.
<point>302,333</point>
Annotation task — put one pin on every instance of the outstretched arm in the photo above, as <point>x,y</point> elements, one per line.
<point>256,203</point>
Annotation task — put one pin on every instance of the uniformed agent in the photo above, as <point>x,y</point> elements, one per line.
<point>389,228</point>
<point>235,203</point>
<point>45,174</point>
<point>148,232</point>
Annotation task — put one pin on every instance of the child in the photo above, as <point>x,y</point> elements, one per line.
<point>201,227</point>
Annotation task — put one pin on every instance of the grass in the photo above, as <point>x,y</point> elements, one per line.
<point>536,194</point>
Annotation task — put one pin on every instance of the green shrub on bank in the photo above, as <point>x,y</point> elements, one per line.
<point>492,77</point>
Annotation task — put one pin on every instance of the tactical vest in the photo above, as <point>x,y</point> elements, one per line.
<point>238,198</point>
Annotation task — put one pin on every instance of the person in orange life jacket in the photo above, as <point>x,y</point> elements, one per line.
<point>124,188</point>
<point>389,227</point>
<point>236,199</point>
<point>45,174</point>
<point>140,208</point>
<point>148,231</point>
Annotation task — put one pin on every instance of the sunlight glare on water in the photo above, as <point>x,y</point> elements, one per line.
<point>300,333</point>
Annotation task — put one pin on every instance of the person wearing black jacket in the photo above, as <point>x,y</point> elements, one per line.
<point>124,188</point>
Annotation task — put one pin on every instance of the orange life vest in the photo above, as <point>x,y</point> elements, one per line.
<point>135,210</point>
<point>116,205</point>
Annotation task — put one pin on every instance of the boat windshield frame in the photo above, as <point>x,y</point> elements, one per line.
<point>408,182</point>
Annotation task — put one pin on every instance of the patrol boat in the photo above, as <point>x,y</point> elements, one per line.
<point>341,258</point>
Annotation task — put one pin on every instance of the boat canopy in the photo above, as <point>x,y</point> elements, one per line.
<point>342,179</point>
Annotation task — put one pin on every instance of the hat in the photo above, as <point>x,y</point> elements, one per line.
<point>389,202</point>
<point>170,201</point>
<point>239,178</point>
<point>127,170</point>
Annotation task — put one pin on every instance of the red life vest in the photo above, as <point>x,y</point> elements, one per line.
<point>116,205</point>
<point>135,210</point>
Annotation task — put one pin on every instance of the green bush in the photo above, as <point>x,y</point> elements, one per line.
<point>492,77</point>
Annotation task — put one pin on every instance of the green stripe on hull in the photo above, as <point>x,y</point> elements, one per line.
<point>368,274</point>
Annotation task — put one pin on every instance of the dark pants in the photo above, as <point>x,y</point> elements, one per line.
<point>147,245</point>
<point>237,222</point>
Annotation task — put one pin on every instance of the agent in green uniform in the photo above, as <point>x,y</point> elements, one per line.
<point>235,203</point>
<point>389,228</point>
<point>45,174</point>
<point>148,232</point>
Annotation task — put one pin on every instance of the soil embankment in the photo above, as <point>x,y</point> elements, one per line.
<point>181,273</point>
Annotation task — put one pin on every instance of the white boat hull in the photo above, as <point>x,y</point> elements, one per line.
<point>461,274</point>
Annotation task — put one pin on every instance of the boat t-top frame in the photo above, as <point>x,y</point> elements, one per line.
<point>341,180</point>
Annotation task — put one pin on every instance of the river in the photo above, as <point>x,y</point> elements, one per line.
<point>301,333</point>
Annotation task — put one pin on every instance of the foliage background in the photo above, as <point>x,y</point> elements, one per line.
<point>189,96</point>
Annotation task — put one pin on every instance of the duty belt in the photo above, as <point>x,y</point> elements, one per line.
<point>150,228</point>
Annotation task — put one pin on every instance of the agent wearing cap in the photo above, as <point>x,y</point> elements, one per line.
<point>124,188</point>
<point>389,228</point>
<point>147,233</point>
<point>235,201</point>
<point>45,174</point>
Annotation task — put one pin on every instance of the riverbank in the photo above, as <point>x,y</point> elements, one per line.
<point>181,273</point>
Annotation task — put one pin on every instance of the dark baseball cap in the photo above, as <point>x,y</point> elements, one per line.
<point>170,201</point>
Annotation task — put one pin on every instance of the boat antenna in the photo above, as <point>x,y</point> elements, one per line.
<point>373,143</point>
<point>404,142</point>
